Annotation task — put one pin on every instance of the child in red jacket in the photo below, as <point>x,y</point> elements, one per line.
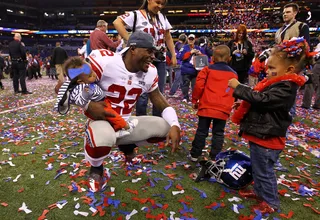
<point>213,99</point>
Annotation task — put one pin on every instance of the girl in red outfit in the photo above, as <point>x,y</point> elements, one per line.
<point>264,117</point>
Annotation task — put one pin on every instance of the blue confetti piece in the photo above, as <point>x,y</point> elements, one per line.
<point>157,179</point>
<point>168,186</point>
<point>151,183</point>
<point>124,212</point>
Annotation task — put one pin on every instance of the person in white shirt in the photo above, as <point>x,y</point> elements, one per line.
<point>83,50</point>
<point>150,20</point>
<point>124,77</point>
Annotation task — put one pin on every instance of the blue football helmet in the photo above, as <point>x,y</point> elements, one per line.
<point>231,168</point>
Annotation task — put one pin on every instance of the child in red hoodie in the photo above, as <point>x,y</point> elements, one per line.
<point>214,100</point>
<point>264,117</point>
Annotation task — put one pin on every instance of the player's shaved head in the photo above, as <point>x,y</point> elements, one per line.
<point>221,53</point>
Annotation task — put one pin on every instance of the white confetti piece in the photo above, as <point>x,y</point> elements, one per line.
<point>136,180</point>
<point>77,206</point>
<point>16,179</point>
<point>235,208</point>
<point>112,189</point>
<point>76,212</point>
<point>60,206</point>
<point>11,164</point>
<point>177,192</point>
<point>24,208</point>
<point>32,176</point>
<point>235,199</point>
<point>93,210</point>
<point>131,214</point>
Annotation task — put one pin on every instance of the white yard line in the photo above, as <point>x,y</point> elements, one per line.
<point>27,106</point>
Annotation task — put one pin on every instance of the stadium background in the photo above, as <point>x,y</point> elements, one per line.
<point>44,22</point>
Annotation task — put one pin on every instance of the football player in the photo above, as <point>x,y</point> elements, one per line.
<point>124,77</point>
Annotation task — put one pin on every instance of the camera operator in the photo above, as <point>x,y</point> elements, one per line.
<point>150,20</point>
<point>188,71</point>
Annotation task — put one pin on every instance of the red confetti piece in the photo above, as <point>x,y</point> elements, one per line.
<point>222,195</point>
<point>282,192</point>
<point>165,206</point>
<point>142,201</point>
<point>211,205</point>
<point>290,214</point>
<point>102,213</point>
<point>21,190</point>
<point>179,187</point>
<point>132,191</point>
<point>310,206</point>
<point>43,216</point>
<point>4,204</point>
<point>149,216</point>
<point>189,198</point>
<point>243,217</point>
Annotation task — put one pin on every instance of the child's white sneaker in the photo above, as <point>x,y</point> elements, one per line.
<point>132,124</point>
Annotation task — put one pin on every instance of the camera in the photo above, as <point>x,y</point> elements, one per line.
<point>264,55</point>
<point>159,54</point>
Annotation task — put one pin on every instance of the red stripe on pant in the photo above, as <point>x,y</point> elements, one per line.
<point>97,152</point>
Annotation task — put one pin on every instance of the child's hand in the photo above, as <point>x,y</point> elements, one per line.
<point>236,105</point>
<point>195,106</point>
<point>233,83</point>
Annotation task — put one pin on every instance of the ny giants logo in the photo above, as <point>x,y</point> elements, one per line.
<point>237,171</point>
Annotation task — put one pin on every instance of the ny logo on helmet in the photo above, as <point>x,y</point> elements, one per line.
<point>237,171</point>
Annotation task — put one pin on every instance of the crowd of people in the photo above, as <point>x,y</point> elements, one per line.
<point>112,76</point>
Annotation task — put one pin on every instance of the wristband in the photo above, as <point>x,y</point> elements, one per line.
<point>170,116</point>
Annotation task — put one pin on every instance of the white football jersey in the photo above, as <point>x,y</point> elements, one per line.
<point>156,30</point>
<point>122,87</point>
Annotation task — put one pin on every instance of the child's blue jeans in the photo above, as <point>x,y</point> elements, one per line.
<point>265,180</point>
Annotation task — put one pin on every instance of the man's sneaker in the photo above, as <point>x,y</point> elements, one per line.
<point>96,181</point>
<point>192,159</point>
<point>263,207</point>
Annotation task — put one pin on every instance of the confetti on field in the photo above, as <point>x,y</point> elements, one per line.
<point>156,183</point>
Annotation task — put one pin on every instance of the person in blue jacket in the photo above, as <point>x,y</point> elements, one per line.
<point>188,72</point>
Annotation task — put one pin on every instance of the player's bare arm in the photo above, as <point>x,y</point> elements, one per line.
<point>158,99</point>
<point>168,114</point>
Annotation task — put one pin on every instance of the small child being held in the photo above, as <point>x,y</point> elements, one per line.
<point>213,99</point>
<point>81,89</point>
<point>264,117</point>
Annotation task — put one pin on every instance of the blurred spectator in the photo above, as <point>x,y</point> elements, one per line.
<point>292,27</point>
<point>150,20</point>
<point>188,72</point>
<point>314,86</point>
<point>83,50</point>
<point>177,82</point>
<point>58,58</point>
<point>2,65</point>
<point>100,40</point>
<point>242,53</point>
<point>17,52</point>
